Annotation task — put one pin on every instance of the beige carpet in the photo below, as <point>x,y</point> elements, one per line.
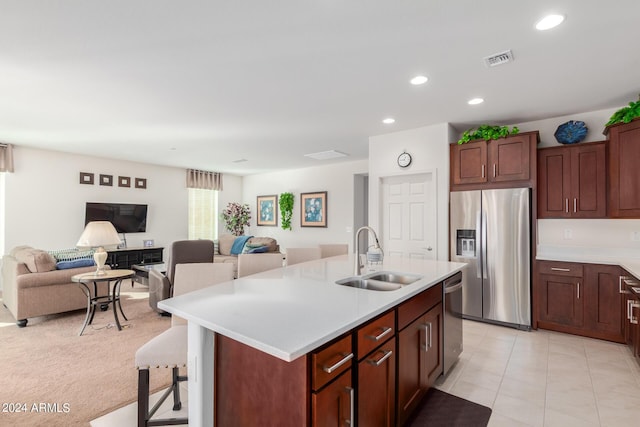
<point>63,379</point>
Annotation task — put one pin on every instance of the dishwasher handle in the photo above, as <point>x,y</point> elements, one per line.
<point>453,283</point>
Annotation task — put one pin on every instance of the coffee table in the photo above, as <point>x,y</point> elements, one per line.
<point>113,278</point>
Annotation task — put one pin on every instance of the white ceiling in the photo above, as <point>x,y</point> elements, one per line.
<point>201,83</point>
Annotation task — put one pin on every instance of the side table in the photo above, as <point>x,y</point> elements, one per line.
<point>113,278</point>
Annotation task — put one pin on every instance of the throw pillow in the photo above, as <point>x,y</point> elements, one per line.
<point>258,250</point>
<point>36,260</point>
<point>72,254</point>
<point>76,263</point>
<point>224,244</point>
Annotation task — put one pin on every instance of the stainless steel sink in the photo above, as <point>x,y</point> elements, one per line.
<point>380,281</point>
<point>401,278</point>
<point>374,285</point>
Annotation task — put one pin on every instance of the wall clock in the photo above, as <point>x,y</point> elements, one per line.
<point>404,159</point>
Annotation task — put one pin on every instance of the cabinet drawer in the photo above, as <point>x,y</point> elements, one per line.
<point>573,269</point>
<point>418,305</point>
<point>375,333</point>
<point>331,361</point>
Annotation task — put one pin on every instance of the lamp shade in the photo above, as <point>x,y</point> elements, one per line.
<point>98,233</point>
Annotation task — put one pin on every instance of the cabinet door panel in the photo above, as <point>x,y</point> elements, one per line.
<point>604,302</point>
<point>624,173</point>
<point>554,167</point>
<point>332,406</point>
<point>413,377</point>
<point>561,300</point>
<point>376,387</point>
<point>469,163</point>
<point>588,181</point>
<point>509,159</point>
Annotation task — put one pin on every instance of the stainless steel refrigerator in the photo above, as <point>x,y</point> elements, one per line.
<point>491,232</point>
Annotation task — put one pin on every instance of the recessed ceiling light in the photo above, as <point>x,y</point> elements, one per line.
<point>475,101</point>
<point>419,80</point>
<point>549,21</point>
<point>239,161</point>
<point>389,120</point>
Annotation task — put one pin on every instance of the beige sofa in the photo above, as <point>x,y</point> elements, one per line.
<point>225,243</point>
<point>32,286</point>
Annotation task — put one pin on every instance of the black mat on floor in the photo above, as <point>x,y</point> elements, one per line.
<point>440,409</point>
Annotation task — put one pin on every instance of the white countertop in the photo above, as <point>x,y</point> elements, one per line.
<point>629,259</point>
<point>290,311</point>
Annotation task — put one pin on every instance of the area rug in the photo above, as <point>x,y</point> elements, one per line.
<point>53,377</point>
<point>440,409</point>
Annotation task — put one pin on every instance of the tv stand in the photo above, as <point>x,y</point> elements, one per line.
<point>127,257</point>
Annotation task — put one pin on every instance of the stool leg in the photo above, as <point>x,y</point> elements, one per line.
<point>177,404</point>
<point>143,397</point>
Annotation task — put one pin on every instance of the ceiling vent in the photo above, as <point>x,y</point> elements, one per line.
<point>326,155</point>
<point>498,58</point>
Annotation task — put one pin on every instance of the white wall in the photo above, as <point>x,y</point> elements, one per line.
<point>585,233</point>
<point>231,192</point>
<point>429,148</point>
<point>45,203</point>
<point>594,121</point>
<point>337,179</point>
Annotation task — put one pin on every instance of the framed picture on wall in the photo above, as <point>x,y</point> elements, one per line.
<point>267,210</point>
<point>313,209</point>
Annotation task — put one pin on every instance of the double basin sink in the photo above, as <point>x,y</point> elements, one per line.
<point>380,281</point>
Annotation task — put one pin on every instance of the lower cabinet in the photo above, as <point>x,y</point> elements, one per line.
<point>376,387</point>
<point>582,299</point>
<point>419,352</point>
<point>374,375</point>
<point>334,404</point>
<point>632,314</point>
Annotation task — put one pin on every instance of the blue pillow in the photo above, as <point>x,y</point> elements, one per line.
<point>82,262</point>
<point>258,250</point>
<point>238,244</point>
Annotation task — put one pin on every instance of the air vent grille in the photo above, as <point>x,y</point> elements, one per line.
<point>498,58</point>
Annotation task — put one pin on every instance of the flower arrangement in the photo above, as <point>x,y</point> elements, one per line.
<point>236,217</point>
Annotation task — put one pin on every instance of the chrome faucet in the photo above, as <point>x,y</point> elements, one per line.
<point>357,265</point>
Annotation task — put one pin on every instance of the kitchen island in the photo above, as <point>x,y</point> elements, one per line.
<point>280,320</point>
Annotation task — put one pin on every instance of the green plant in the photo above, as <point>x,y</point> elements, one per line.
<point>625,114</point>
<point>487,132</point>
<point>236,217</point>
<point>286,209</point>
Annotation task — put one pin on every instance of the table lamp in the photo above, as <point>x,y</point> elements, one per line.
<point>97,234</point>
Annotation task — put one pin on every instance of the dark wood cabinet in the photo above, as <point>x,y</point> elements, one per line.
<point>624,173</point>
<point>377,388</point>
<point>333,405</point>
<point>125,258</point>
<point>419,350</point>
<point>581,299</point>
<point>572,181</point>
<point>372,375</point>
<point>604,318</point>
<point>630,287</point>
<point>560,302</point>
<point>499,163</point>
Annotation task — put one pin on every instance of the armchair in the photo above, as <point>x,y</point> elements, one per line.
<point>180,252</point>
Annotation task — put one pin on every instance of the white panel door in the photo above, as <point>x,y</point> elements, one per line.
<point>409,208</point>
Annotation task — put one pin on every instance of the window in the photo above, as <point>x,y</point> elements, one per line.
<point>203,214</point>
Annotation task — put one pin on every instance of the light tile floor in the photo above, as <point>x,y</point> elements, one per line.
<point>537,378</point>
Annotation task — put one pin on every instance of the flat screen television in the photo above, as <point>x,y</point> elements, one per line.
<point>125,217</point>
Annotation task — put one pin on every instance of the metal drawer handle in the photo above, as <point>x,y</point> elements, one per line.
<point>386,354</point>
<point>352,408</point>
<point>385,331</point>
<point>331,369</point>
<point>483,171</point>
<point>427,336</point>
<point>566,205</point>
<point>494,170</point>
<point>634,319</point>
<point>560,269</point>
<point>622,279</point>
<point>578,290</point>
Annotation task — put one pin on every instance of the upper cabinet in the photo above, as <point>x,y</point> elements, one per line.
<point>572,181</point>
<point>500,163</point>
<point>624,170</point>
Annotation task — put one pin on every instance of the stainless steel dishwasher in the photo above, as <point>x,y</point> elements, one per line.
<point>452,345</point>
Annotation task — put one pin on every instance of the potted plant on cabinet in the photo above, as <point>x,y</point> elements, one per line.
<point>625,114</point>
<point>236,217</point>
<point>487,132</point>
